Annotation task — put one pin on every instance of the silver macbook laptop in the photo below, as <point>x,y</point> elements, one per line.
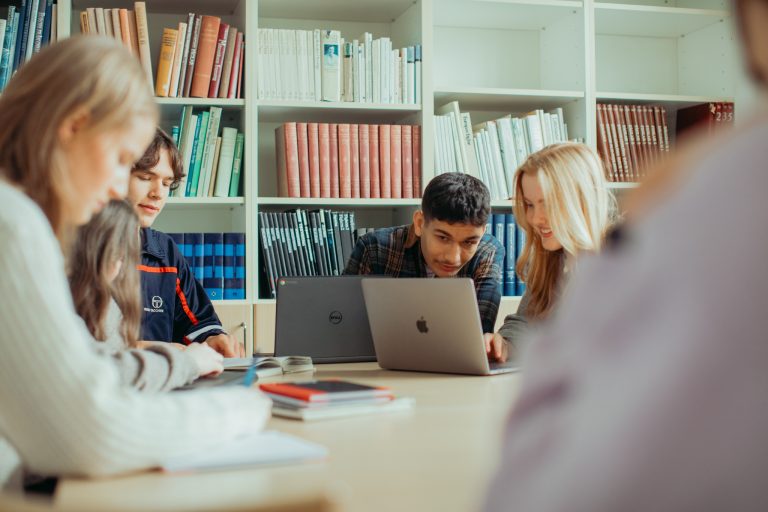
<point>324,318</point>
<point>428,325</point>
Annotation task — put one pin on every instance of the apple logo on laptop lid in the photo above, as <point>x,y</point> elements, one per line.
<point>421,325</point>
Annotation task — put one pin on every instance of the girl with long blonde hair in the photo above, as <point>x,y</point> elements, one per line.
<point>564,208</point>
<point>73,120</point>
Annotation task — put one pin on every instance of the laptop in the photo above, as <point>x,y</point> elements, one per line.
<point>324,318</point>
<point>428,325</point>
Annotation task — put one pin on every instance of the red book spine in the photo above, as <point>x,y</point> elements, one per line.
<point>664,129</point>
<point>623,149</point>
<point>236,63</point>
<point>314,160</point>
<point>325,159</point>
<point>638,140</point>
<point>613,145</point>
<point>354,159</point>
<point>416,136</point>
<point>407,161</point>
<point>629,141</point>
<point>334,145</point>
<point>396,160</point>
<point>303,143</point>
<point>602,143</point>
<point>373,154</point>
<point>218,61</point>
<point>206,53</point>
<point>288,160</point>
<point>384,156</point>
<point>345,178</point>
<point>616,142</point>
<point>365,162</point>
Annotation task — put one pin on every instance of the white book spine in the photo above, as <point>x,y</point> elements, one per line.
<point>468,141</point>
<point>226,157</point>
<point>498,165</point>
<point>32,23</point>
<point>417,66</point>
<point>317,61</point>
<point>331,66</point>
<point>356,66</point>
<point>209,151</point>
<point>2,36</point>
<point>185,53</point>
<point>186,155</point>
<point>181,36</point>
<point>309,42</point>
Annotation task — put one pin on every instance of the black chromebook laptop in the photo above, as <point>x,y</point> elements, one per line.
<point>324,318</point>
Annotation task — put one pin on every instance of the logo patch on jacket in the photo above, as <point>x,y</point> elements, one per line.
<point>157,303</point>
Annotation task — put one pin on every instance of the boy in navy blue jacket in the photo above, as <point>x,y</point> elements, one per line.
<point>176,307</point>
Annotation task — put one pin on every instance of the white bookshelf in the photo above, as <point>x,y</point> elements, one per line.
<point>496,57</point>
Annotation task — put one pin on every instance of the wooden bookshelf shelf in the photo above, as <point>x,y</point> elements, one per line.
<point>319,111</point>
<point>653,21</point>
<point>202,102</point>
<point>191,202</point>
<point>499,99</point>
<point>334,202</point>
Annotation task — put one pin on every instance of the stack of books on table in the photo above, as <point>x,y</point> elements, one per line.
<point>325,399</point>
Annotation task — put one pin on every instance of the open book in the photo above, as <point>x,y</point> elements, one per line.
<point>268,366</point>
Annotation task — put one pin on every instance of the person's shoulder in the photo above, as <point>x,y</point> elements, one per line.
<point>162,240</point>
<point>385,236</point>
<point>489,244</point>
<point>19,215</point>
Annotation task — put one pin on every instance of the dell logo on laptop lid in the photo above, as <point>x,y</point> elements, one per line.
<point>335,317</point>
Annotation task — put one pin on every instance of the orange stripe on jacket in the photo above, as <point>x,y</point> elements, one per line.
<point>184,305</point>
<point>158,270</point>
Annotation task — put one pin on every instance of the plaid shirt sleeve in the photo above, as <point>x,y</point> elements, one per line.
<point>359,262</point>
<point>487,277</point>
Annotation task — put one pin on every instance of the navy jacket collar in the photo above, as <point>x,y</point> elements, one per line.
<point>150,244</point>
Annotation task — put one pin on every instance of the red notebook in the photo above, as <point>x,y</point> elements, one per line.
<point>326,390</point>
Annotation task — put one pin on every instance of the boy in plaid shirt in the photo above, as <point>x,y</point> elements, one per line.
<point>446,239</point>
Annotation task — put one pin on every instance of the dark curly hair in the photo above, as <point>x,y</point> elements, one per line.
<point>152,155</point>
<point>454,197</point>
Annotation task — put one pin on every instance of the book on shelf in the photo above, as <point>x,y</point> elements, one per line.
<point>706,117</point>
<point>505,229</point>
<point>217,260</point>
<point>27,27</point>
<point>269,366</point>
<point>304,243</point>
<point>212,159</point>
<point>323,65</point>
<point>254,449</point>
<point>351,161</point>
<point>200,56</point>
<point>493,150</point>
<point>630,138</point>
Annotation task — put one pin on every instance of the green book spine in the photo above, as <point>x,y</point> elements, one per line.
<point>234,184</point>
<point>195,176</point>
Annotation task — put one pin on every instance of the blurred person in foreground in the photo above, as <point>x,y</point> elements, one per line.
<point>647,391</point>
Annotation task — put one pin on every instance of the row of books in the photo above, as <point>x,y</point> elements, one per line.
<point>504,228</point>
<point>212,162</point>
<point>708,116</point>
<point>217,260</point>
<point>348,160</point>
<point>493,150</point>
<point>319,65</point>
<point>27,28</point>
<point>630,138</point>
<point>202,58</point>
<point>304,243</point>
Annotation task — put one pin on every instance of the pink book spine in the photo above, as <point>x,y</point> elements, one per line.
<point>396,160</point>
<point>345,164</point>
<point>291,156</point>
<point>334,145</point>
<point>314,160</point>
<point>365,162</point>
<point>373,154</point>
<point>416,136</point>
<point>407,160</point>
<point>384,157</point>
<point>354,159</point>
<point>236,63</point>
<point>303,143</point>
<point>325,159</point>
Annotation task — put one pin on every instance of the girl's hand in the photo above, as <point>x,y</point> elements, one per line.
<point>208,361</point>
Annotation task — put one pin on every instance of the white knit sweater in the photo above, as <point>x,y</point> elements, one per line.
<point>62,406</point>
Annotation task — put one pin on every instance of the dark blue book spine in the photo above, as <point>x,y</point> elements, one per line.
<point>509,257</point>
<point>47,24</point>
<point>499,232</point>
<point>230,241</point>
<point>209,240</point>
<point>519,244</point>
<point>214,287</point>
<point>196,241</point>
<point>23,17</point>
<point>239,255</point>
<point>193,160</point>
<point>217,260</point>
<point>234,289</point>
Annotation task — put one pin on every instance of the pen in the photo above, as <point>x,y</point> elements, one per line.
<point>250,376</point>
